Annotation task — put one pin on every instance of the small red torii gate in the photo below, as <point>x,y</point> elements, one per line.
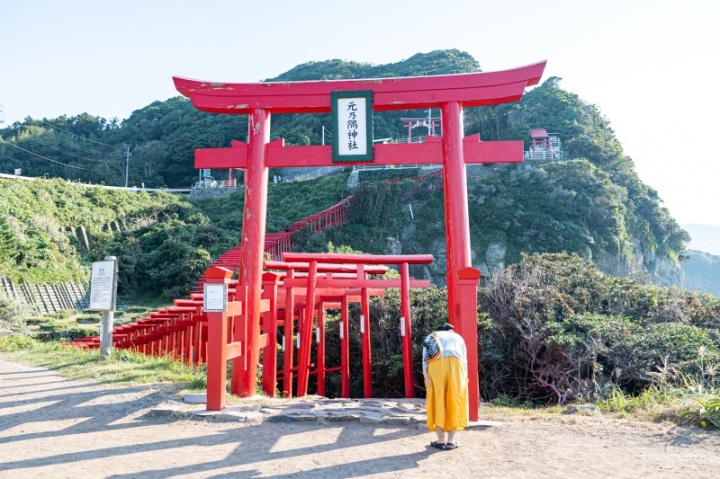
<point>292,296</point>
<point>338,279</point>
<point>362,261</point>
<point>449,93</point>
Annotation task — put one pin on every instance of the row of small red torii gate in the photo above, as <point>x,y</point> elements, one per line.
<point>449,93</point>
<point>306,286</point>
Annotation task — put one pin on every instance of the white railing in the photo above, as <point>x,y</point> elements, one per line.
<point>216,184</point>
<point>323,171</point>
<point>386,167</point>
<point>413,139</point>
<point>542,155</point>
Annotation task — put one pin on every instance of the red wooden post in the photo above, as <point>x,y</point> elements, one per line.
<point>344,347</point>
<point>218,353</point>
<point>366,346</point>
<point>288,333</point>
<point>306,332</point>
<point>270,289</point>
<point>253,237</point>
<point>406,330</point>
<point>468,282</point>
<point>194,323</point>
<point>199,346</point>
<point>320,351</point>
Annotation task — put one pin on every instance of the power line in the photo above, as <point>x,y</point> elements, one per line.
<point>40,156</point>
<point>53,141</point>
<point>58,148</point>
<point>57,137</point>
<point>50,140</point>
<point>73,134</point>
<point>69,132</point>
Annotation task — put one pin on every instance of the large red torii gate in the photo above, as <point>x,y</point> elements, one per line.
<point>449,93</point>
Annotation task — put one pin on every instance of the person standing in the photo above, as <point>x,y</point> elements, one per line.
<point>446,383</point>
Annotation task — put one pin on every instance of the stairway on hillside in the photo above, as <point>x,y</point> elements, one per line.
<point>281,242</point>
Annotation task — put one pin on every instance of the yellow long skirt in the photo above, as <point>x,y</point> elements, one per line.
<point>447,397</point>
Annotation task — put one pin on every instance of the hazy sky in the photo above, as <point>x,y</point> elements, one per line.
<point>649,65</point>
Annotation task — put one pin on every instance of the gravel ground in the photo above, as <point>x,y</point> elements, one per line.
<point>53,427</point>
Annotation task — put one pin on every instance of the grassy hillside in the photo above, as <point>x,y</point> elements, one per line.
<point>163,242</point>
<point>39,220</point>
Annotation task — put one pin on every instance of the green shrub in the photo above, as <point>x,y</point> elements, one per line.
<point>707,414</point>
<point>137,309</point>
<point>73,333</point>
<point>650,350</point>
<point>50,331</point>
<point>88,319</point>
<point>563,331</point>
<point>13,314</point>
<point>15,343</point>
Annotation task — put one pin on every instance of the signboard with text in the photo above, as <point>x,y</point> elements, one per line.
<point>352,121</point>
<point>102,286</point>
<point>215,297</point>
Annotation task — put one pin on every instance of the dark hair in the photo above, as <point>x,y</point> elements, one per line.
<point>446,327</point>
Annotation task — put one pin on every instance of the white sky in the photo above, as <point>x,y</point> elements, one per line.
<point>649,65</point>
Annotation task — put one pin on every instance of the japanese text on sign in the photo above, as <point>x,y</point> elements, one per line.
<point>350,144</point>
<point>214,298</point>
<point>102,286</point>
<point>352,115</point>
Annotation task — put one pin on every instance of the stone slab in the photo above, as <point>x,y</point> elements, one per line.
<point>195,398</point>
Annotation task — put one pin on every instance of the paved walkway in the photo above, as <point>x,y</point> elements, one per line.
<point>391,412</point>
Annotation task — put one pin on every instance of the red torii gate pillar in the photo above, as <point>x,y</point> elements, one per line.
<point>243,380</point>
<point>448,92</point>
<point>457,222</point>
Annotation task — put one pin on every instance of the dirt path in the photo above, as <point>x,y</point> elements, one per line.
<point>59,428</point>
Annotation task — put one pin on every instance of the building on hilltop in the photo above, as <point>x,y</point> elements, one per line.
<point>543,145</point>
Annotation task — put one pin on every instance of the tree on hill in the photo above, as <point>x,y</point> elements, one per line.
<point>586,134</point>
<point>8,243</point>
<point>162,138</point>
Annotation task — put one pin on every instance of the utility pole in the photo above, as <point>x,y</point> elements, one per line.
<point>127,164</point>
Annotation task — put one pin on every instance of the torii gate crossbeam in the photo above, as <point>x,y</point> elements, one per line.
<point>450,93</point>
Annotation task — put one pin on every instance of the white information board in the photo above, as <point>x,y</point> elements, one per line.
<point>352,121</point>
<point>215,298</point>
<point>102,286</point>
